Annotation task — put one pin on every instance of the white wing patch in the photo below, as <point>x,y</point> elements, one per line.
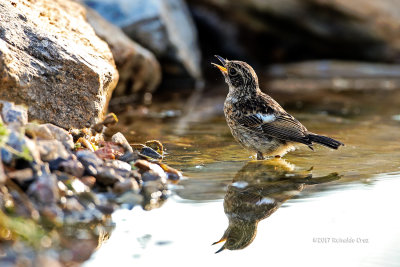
<point>266,117</point>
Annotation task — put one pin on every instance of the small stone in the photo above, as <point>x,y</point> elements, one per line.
<point>118,164</point>
<point>129,156</point>
<point>120,139</point>
<point>13,114</point>
<point>89,181</point>
<point>109,151</point>
<point>90,161</point>
<point>22,146</point>
<point>51,149</point>
<point>21,176</point>
<point>156,146</point>
<point>107,176</point>
<point>148,152</point>
<point>73,167</point>
<point>45,188</point>
<point>124,186</point>
<point>72,204</point>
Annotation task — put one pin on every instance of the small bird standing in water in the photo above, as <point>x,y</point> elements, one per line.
<point>257,121</point>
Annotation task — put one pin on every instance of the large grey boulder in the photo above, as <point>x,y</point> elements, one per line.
<point>164,27</point>
<point>52,61</point>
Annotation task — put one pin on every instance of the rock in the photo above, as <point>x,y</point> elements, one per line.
<point>120,139</point>
<point>332,75</point>
<point>118,164</point>
<point>73,167</point>
<point>44,189</point>
<point>52,61</point>
<point>89,181</point>
<point>22,177</point>
<point>22,147</point>
<point>13,114</point>
<point>148,152</point>
<point>90,161</point>
<point>51,149</point>
<point>50,131</point>
<point>126,185</point>
<point>129,156</point>
<point>139,70</point>
<point>108,176</point>
<point>296,29</point>
<point>164,27</point>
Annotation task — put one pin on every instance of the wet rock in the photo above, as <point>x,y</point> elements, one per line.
<point>120,139</point>
<point>73,167</point>
<point>153,176</point>
<point>51,149</point>
<point>139,70</point>
<point>108,176</point>
<point>90,161</point>
<point>126,185</point>
<point>41,66</point>
<point>164,27</point>
<point>172,174</point>
<point>146,166</point>
<point>129,199</point>
<point>154,194</point>
<point>148,152</point>
<point>129,156</point>
<point>13,114</point>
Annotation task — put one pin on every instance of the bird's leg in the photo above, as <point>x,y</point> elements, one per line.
<point>259,156</point>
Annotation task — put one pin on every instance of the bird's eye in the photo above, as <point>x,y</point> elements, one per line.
<point>232,72</point>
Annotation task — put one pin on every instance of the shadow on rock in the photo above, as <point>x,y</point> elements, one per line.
<point>257,191</point>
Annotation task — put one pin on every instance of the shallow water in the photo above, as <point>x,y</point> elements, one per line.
<point>326,207</point>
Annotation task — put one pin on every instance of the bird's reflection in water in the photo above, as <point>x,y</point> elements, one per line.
<point>257,191</point>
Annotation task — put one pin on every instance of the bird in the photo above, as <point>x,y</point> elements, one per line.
<point>257,121</point>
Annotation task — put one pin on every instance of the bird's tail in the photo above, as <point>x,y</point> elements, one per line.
<point>325,141</point>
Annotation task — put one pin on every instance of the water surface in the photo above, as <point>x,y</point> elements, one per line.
<point>314,208</point>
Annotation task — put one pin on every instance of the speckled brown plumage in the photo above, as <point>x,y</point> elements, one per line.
<point>257,121</point>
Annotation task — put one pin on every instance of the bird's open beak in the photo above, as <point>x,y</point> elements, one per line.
<point>221,68</point>
<point>223,239</point>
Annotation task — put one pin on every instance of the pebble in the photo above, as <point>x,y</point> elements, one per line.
<point>120,139</point>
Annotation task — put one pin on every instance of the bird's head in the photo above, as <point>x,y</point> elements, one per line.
<point>239,75</point>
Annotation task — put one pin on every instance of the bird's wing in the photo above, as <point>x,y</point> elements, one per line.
<point>279,125</point>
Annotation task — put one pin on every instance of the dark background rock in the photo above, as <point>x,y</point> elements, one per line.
<point>265,32</point>
<point>52,61</point>
<point>139,70</point>
<point>164,27</point>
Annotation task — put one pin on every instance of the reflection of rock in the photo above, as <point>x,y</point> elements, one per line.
<point>51,60</point>
<point>138,68</point>
<point>358,29</point>
<point>256,192</point>
<point>163,26</point>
